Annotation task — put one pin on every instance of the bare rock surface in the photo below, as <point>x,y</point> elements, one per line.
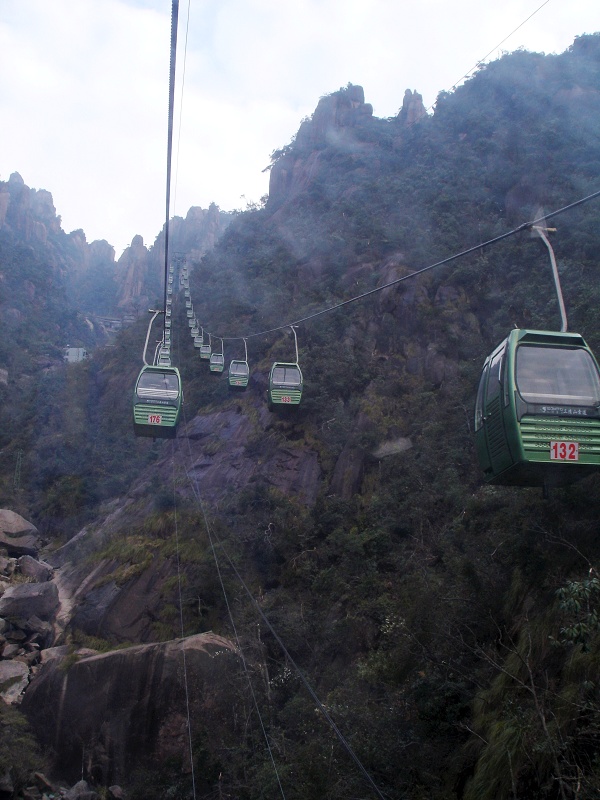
<point>222,464</point>
<point>25,600</point>
<point>122,613</point>
<point>14,677</point>
<point>18,536</point>
<point>39,571</point>
<point>81,791</point>
<point>127,708</point>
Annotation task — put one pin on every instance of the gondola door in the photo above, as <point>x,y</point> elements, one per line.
<point>492,441</point>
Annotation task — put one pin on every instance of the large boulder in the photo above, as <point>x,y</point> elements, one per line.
<point>81,791</point>
<point>25,600</point>
<point>14,677</point>
<point>17,535</point>
<point>127,708</point>
<point>38,570</point>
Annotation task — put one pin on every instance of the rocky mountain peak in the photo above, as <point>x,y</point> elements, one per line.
<point>412,108</point>
<point>333,124</point>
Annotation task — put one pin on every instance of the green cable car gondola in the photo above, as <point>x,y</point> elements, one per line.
<point>285,381</point>
<point>205,348</point>
<point>217,361</point>
<point>157,402</point>
<point>285,384</point>
<point>537,414</point>
<point>239,374</point>
<point>239,371</point>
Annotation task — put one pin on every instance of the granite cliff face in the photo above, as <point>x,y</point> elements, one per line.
<point>333,122</point>
<point>140,270</point>
<point>30,213</point>
<point>332,125</point>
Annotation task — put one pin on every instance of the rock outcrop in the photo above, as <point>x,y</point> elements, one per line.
<point>126,709</point>
<point>412,110</point>
<point>18,536</point>
<point>332,124</point>
<point>25,600</point>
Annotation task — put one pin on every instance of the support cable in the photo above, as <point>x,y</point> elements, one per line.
<point>480,62</point>
<point>342,739</point>
<point>174,18</point>
<point>187,28</point>
<point>185,675</point>
<point>196,492</point>
<point>523,227</point>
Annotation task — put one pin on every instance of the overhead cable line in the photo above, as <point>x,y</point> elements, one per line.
<point>187,28</point>
<point>481,60</point>
<point>506,38</point>
<point>174,19</point>
<point>523,227</point>
<point>342,739</point>
<point>173,54</point>
<point>185,675</point>
<point>196,492</point>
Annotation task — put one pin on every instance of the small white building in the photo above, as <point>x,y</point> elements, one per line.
<point>75,354</point>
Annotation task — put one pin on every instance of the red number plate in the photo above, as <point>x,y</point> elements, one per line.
<point>564,451</point>
<point>286,398</point>
<point>154,419</point>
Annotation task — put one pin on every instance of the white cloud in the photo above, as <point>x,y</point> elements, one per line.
<point>83,88</point>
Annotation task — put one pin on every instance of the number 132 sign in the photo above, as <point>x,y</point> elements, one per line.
<point>564,451</point>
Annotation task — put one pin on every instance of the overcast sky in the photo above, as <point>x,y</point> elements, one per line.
<point>84,88</point>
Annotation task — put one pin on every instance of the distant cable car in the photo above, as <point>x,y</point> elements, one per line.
<point>537,414</point>
<point>188,303</point>
<point>239,371</point>
<point>217,361</point>
<point>239,374</point>
<point>198,341</point>
<point>170,290</point>
<point>195,331</point>
<point>189,313</point>
<point>186,293</point>
<point>285,382</point>
<point>205,349</point>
